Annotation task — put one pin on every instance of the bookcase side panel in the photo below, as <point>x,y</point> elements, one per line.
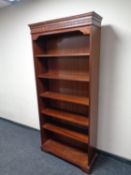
<point>94,85</point>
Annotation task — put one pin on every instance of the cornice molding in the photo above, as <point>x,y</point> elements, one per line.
<point>86,19</point>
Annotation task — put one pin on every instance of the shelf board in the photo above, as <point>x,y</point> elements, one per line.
<point>62,55</point>
<point>80,120</point>
<point>66,132</point>
<point>73,155</point>
<point>64,76</point>
<point>66,98</point>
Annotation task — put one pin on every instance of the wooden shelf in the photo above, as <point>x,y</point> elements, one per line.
<point>80,120</point>
<point>66,152</point>
<point>66,132</point>
<point>62,55</point>
<point>66,98</point>
<point>65,76</point>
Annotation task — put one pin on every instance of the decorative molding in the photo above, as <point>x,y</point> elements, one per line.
<point>85,30</point>
<point>66,23</point>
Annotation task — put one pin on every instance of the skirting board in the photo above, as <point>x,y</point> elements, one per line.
<point>113,156</point>
<point>18,124</point>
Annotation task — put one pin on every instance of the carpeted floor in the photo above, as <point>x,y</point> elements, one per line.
<point>20,154</point>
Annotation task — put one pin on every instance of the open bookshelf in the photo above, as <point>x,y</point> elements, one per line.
<point>66,59</point>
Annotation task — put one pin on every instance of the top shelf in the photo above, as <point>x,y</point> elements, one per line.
<point>62,55</point>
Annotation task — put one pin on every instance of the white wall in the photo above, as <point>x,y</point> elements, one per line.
<point>17,85</point>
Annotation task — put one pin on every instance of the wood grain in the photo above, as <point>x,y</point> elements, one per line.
<point>80,120</point>
<point>66,98</point>
<point>65,76</point>
<point>63,55</point>
<point>73,155</point>
<point>66,132</point>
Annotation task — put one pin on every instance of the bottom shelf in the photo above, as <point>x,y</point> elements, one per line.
<point>73,155</point>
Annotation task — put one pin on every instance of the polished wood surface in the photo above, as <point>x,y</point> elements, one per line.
<point>66,152</point>
<point>62,55</point>
<point>66,116</point>
<point>66,98</point>
<point>66,132</point>
<point>66,58</point>
<point>94,79</point>
<point>65,76</point>
<point>65,24</point>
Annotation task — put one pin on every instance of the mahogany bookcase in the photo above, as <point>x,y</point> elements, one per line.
<point>66,58</point>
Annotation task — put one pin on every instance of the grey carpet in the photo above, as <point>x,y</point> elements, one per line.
<point>20,154</point>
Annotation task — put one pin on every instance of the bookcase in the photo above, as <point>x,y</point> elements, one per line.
<point>66,58</point>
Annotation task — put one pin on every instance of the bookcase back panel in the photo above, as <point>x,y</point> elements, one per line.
<point>64,43</point>
<point>67,141</point>
<point>69,87</point>
<point>73,88</point>
<point>67,125</point>
<point>71,65</point>
<point>69,107</point>
<point>39,46</point>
